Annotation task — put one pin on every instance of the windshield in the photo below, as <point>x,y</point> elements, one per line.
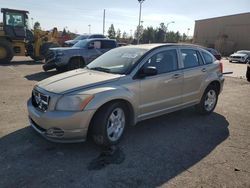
<point>118,60</point>
<point>243,52</point>
<point>81,37</point>
<point>81,44</point>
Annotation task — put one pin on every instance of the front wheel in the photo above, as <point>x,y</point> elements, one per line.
<point>109,124</point>
<point>208,101</point>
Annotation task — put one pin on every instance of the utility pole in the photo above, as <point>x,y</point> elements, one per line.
<point>104,15</point>
<point>89,28</point>
<point>167,29</point>
<point>139,25</point>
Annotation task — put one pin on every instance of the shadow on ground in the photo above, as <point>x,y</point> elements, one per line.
<point>40,75</point>
<point>26,62</point>
<point>155,151</point>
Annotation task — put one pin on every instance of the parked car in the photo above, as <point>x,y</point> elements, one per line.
<point>215,53</point>
<point>122,87</point>
<point>70,43</point>
<point>241,56</point>
<point>248,71</point>
<point>81,54</point>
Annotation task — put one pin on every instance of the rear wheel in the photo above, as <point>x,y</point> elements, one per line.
<point>75,63</point>
<point>208,101</point>
<point>109,124</point>
<point>6,51</point>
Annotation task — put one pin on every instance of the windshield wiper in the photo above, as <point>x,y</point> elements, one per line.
<point>102,69</point>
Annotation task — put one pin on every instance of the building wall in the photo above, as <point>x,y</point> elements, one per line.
<point>227,34</point>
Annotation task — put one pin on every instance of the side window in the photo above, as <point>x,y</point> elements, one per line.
<point>14,19</point>
<point>208,58</point>
<point>95,44</point>
<point>107,44</point>
<point>164,62</point>
<point>191,58</point>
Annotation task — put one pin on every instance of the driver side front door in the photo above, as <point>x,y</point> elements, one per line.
<point>163,92</point>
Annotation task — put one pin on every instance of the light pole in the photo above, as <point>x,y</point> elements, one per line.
<point>167,28</point>
<point>89,28</point>
<point>188,32</point>
<point>139,25</point>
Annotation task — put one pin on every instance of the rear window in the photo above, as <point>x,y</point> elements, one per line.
<point>208,58</point>
<point>108,44</point>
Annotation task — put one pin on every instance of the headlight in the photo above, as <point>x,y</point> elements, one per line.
<point>73,102</point>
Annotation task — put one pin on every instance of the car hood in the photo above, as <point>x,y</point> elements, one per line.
<point>71,41</point>
<point>239,55</point>
<point>65,48</point>
<point>76,80</point>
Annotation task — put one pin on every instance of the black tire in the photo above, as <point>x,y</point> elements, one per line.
<point>248,74</point>
<point>37,58</point>
<point>75,63</point>
<point>61,69</point>
<point>201,107</point>
<point>230,61</point>
<point>6,51</point>
<point>99,124</point>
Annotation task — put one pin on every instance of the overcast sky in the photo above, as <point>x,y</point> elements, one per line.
<point>78,14</point>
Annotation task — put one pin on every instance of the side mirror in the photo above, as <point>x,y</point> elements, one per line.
<point>148,71</point>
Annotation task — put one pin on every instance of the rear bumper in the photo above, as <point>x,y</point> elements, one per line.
<point>60,126</point>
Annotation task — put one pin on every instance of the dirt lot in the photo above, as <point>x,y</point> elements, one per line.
<point>181,149</point>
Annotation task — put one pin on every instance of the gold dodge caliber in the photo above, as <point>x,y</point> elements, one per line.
<point>122,87</point>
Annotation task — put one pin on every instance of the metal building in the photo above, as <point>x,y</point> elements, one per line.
<point>226,34</point>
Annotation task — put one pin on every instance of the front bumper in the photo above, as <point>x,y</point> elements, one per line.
<point>49,65</point>
<point>240,60</point>
<point>60,126</point>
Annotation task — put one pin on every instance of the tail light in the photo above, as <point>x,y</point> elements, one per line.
<point>221,67</point>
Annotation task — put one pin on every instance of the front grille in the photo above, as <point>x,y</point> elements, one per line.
<point>40,101</point>
<point>236,57</point>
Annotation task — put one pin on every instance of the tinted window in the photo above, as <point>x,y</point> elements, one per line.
<point>164,62</point>
<point>191,58</point>
<point>97,36</point>
<point>108,44</point>
<point>208,58</point>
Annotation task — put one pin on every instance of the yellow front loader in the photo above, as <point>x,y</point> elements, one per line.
<point>17,39</point>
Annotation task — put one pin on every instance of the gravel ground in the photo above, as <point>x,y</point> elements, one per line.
<point>181,149</point>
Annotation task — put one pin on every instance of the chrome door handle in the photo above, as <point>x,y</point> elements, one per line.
<point>204,70</point>
<point>176,76</point>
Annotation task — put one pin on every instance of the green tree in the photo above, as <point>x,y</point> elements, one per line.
<point>124,35</point>
<point>37,25</point>
<point>118,34</point>
<point>111,32</point>
<point>148,35</point>
<point>161,33</point>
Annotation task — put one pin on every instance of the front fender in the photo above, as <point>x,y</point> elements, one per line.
<point>106,94</point>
